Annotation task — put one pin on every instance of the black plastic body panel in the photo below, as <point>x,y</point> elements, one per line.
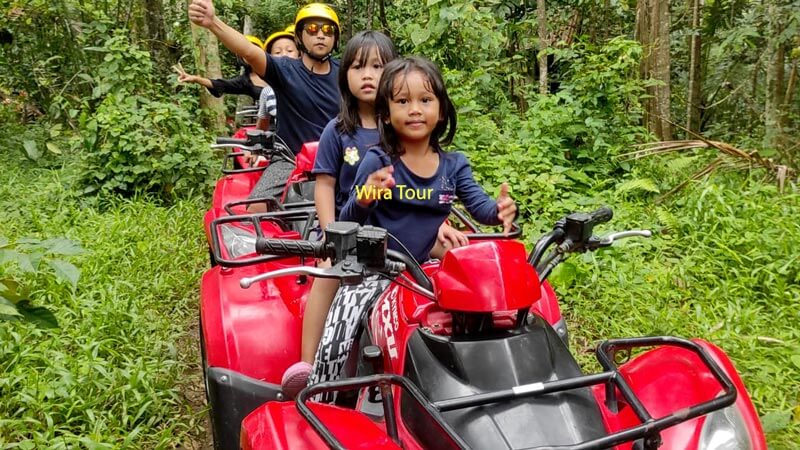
<point>232,396</point>
<point>446,368</point>
<point>302,191</point>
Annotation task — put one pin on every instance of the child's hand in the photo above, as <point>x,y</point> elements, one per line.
<point>376,183</point>
<point>201,12</point>
<point>506,208</point>
<point>449,237</point>
<point>183,77</point>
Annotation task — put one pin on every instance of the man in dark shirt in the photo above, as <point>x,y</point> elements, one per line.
<point>306,88</point>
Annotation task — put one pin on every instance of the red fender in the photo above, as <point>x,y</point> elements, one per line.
<point>253,331</point>
<point>668,379</point>
<point>279,426</point>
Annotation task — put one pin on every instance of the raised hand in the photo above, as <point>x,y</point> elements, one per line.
<point>201,13</point>
<point>506,208</point>
<point>376,185</point>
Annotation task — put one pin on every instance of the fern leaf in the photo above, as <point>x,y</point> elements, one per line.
<point>638,184</point>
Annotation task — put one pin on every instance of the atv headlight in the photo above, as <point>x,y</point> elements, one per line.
<point>237,241</point>
<point>725,430</point>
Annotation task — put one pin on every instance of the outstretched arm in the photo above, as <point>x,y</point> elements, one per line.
<point>184,77</point>
<point>202,13</point>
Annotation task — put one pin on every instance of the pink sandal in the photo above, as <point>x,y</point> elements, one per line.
<point>295,378</point>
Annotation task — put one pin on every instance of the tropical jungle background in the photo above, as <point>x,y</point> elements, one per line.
<point>682,115</point>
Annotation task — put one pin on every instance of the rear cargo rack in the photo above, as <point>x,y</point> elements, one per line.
<point>280,218</point>
<point>384,382</point>
<point>648,432</point>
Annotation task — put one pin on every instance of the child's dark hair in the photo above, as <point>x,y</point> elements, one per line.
<point>446,128</point>
<point>364,42</point>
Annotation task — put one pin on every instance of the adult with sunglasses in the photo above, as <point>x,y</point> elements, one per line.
<point>306,88</point>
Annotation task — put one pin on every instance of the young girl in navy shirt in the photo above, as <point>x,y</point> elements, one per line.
<point>408,186</point>
<point>342,145</point>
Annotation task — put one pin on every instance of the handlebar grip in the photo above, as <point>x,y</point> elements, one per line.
<point>227,140</point>
<point>292,247</point>
<point>602,215</point>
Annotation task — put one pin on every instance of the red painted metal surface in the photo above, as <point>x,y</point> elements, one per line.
<point>669,379</point>
<point>279,426</point>
<point>547,307</point>
<point>486,276</point>
<point>254,331</point>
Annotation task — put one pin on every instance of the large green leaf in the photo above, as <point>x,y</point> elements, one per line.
<point>31,150</point>
<point>12,290</point>
<point>65,271</point>
<point>8,308</point>
<point>22,259</point>
<point>61,246</point>
<point>776,420</point>
<point>38,315</point>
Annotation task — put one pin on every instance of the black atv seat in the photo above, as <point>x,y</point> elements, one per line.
<point>446,367</point>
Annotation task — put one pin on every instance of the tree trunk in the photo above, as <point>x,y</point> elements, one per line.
<point>695,64</point>
<point>543,45</point>
<point>208,64</point>
<point>350,11</point>
<point>661,68</point>
<point>370,8</point>
<point>247,28</point>
<point>773,104</point>
<point>384,22</point>
<point>154,28</point>
<point>791,87</point>
<point>652,31</point>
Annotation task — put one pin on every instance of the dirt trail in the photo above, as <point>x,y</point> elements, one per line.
<point>193,391</point>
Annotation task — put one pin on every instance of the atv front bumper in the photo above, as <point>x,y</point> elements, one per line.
<point>232,396</point>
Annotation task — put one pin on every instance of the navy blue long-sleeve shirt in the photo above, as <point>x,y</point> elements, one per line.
<point>241,85</point>
<point>418,206</point>
<point>306,101</point>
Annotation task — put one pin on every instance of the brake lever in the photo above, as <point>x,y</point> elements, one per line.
<point>351,274</point>
<point>246,282</point>
<point>251,148</point>
<point>608,240</point>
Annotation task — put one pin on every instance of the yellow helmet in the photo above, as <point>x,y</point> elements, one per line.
<point>316,11</point>
<point>288,32</point>
<point>255,41</point>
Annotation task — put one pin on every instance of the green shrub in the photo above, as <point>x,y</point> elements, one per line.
<point>134,144</point>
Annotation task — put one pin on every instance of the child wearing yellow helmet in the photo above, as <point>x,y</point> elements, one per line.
<point>247,83</point>
<point>281,43</point>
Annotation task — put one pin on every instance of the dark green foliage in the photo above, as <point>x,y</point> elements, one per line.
<point>96,135</point>
<point>133,144</point>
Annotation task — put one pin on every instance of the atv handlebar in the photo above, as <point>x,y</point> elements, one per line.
<point>231,141</point>
<point>611,238</point>
<point>355,251</point>
<point>601,215</point>
<point>573,234</point>
<point>294,247</point>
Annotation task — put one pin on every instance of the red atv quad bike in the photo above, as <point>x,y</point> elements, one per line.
<point>451,354</point>
<point>231,194</point>
<point>249,337</point>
